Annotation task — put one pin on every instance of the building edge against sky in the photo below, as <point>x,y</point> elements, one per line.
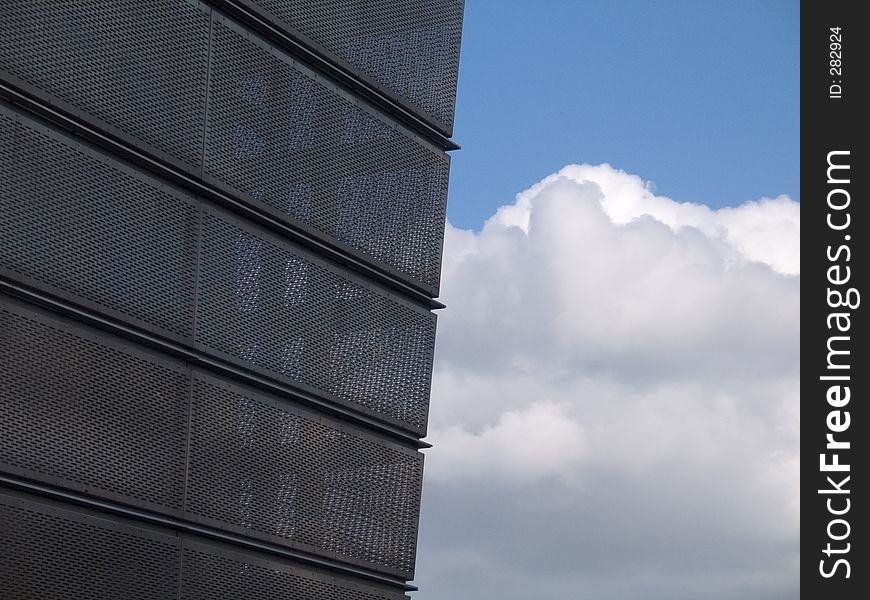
<point>221,232</point>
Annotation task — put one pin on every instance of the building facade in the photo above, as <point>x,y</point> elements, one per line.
<point>220,240</point>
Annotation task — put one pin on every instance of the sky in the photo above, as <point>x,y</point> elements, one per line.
<point>700,97</point>
<point>615,399</point>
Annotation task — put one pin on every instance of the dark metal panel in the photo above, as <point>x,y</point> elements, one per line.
<point>329,248</point>
<point>137,67</point>
<point>86,411</point>
<point>210,571</point>
<point>19,487</point>
<point>88,228</point>
<point>268,305</point>
<point>83,410</point>
<point>284,138</point>
<point>408,49</point>
<point>52,552</point>
<point>264,467</point>
<point>79,225</point>
<point>280,137</point>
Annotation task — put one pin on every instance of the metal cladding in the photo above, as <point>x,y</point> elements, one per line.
<point>214,99</point>
<point>220,239</point>
<point>408,48</point>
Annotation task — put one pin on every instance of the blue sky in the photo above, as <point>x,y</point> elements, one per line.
<point>615,395</point>
<point>700,97</point>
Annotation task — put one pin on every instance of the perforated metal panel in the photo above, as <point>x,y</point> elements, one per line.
<point>48,553</point>
<point>89,413</point>
<point>210,573</point>
<point>268,305</point>
<point>285,138</point>
<point>119,278</point>
<point>408,47</point>
<point>139,67</point>
<point>265,468</point>
<point>279,135</point>
<point>79,224</point>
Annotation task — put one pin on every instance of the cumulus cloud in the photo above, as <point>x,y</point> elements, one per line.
<point>615,399</point>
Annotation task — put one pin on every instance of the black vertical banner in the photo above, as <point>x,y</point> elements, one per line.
<point>834,370</point>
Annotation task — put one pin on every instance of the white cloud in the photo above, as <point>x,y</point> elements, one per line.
<point>766,231</point>
<point>524,446</point>
<point>615,399</point>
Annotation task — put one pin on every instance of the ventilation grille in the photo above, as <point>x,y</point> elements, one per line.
<point>278,136</point>
<point>408,47</point>
<point>258,467</point>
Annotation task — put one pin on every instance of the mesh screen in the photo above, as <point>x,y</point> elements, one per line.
<point>277,134</point>
<point>207,575</point>
<point>88,413</point>
<point>138,66</point>
<point>80,223</point>
<point>85,410</point>
<point>91,413</point>
<point>50,554</point>
<point>53,553</point>
<point>409,47</point>
<point>269,470</point>
<point>265,304</point>
<point>285,138</point>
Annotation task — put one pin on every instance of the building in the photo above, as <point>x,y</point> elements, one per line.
<point>220,242</point>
